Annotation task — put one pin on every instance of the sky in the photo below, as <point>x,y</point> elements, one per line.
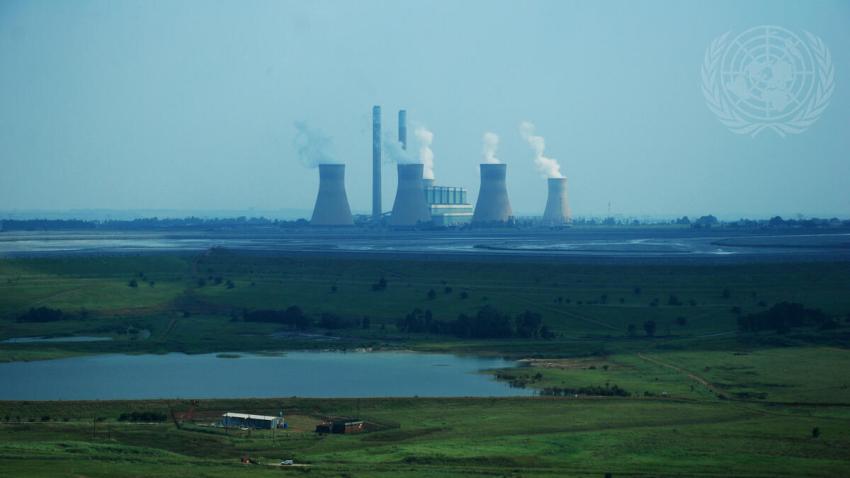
<point>191,105</point>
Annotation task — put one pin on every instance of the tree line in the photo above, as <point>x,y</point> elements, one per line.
<point>784,316</point>
<point>487,323</point>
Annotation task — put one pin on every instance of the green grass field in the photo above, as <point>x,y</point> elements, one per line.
<point>703,399</point>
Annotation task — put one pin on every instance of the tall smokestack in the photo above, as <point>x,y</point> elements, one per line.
<point>557,208</point>
<point>410,207</point>
<point>376,162</point>
<point>493,204</point>
<point>402,128</point>
<point>332,203</point>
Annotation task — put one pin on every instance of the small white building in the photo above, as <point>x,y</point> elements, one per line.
<point>246,420</point>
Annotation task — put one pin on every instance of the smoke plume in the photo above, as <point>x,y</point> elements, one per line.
<point>490,145</point>
<point>312,145</point>
<point>548,167</point>
<point>426,155</point>
<point>394,152</point>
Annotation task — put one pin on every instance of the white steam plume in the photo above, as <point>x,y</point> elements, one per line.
<point>490,145</point>
<point>548,167</point>
<point>394,152</point>
<point>426,156</point>
<point>312,145</point>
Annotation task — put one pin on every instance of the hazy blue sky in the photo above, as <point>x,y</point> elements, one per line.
<point>191,104</point>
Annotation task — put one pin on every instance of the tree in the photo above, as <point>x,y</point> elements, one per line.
<point>631,330</point>
<point>432,295</point>
<point>133,283</point>
<point>528,325</point>
<point>380,285</point>
<point>815,432</point>
<point>366,323</point>
<point>681,321</point>
<point>649,328</point>
<point>706,222</point>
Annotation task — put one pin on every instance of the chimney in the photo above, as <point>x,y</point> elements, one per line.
<point>557,208</point>
<point>376,163</point>
<point>402,128</point>
<point>410,207</point>
<point>332,203</point>
<point>493,205</point>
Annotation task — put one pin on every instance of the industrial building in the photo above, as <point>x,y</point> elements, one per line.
<point>410,208</point>
<point>493,205</point>
<point>332,207</point>
<point>342,425</point>
<point>245,420</point>
<point>449,205</point>
<point>419,202</point>
<point>557,212</point>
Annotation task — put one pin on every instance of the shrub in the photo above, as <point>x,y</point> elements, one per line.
<point>380,285</point>
<point>141,417</point>
<point>42,314</point>
<point>782,317</point>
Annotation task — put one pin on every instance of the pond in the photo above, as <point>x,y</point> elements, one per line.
<point>303,374</point>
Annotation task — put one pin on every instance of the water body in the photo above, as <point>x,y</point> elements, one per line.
<point>627,243</point>
<point>72,338</point>
<point>303,374</point>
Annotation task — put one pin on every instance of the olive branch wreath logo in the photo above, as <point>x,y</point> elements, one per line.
<point>732,117</point>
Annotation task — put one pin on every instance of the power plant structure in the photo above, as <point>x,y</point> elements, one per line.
<point>402,128</point>
<point>331,207</point>
<point>420,201</point>
<point>376,163</point>
<point>449,205</point>
<point>493,205</point>
<point>410,208</point>
<point>557,210</point>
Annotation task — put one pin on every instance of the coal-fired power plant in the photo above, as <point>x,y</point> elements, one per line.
<point>493,205</point>
<point>557,210</point>
<point>331,203</point>
<point>410,208</point>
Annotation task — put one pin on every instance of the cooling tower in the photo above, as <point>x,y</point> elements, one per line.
<point>331,203</point>
<point>493,204</point>
<point>376,163</point>
<point>557,209</point>
<point>428,183</point>
<point>410,207</point>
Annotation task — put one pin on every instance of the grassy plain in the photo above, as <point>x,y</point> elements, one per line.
<point>190,308</point>
<point>704,400</point>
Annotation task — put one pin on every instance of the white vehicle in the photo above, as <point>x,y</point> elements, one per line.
<point>287,462</point>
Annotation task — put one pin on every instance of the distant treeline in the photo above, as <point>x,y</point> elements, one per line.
<point>143,224</point>
<point>142,417</point>
<point>294,318</point>
<point>707,221</point>
<point>710,221</point>
<point>597,391</point>
<point>44,314</point>
<point>487,323</point>
<point>783,317</point>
